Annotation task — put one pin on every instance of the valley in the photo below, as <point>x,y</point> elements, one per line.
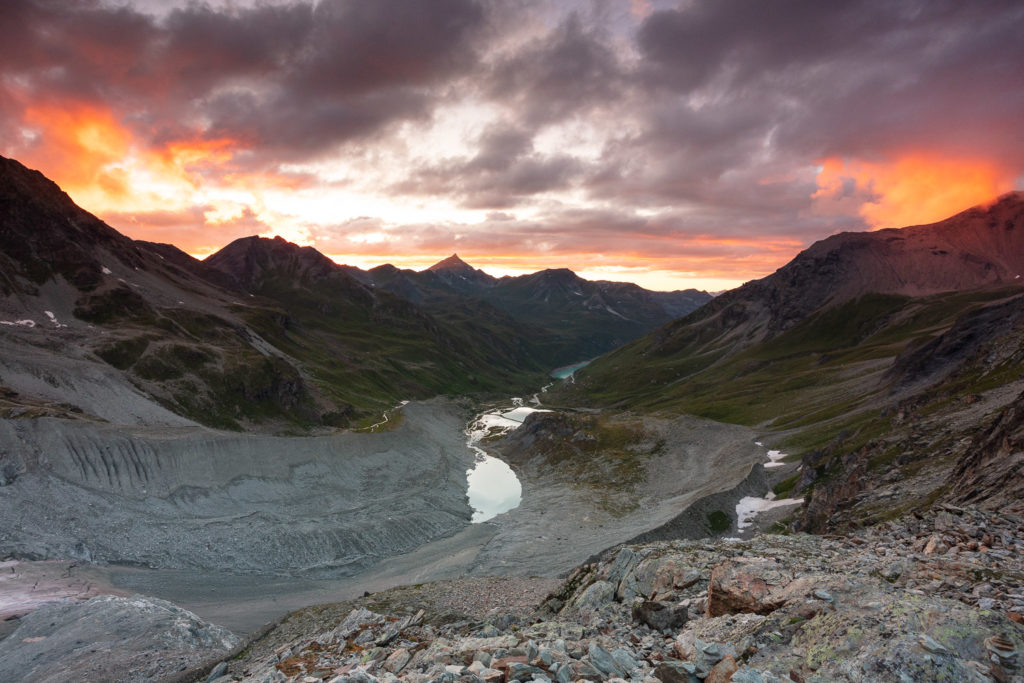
<point>266,430</point>
<point>216,522</point>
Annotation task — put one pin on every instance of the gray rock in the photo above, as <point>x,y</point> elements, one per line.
<point>625,560</point>
<point>661,616</point>
<point>518,671</point>
<point>625,660</point>
<point>127,639</point>
<point>588,671</point>
<point>217,672</point>
<point>676,672</point>
<point>397,660</point>
<point>930,644</point>
<point>596,595</point>
<point>604,661</point>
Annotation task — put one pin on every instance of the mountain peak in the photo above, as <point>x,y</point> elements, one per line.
<point>453,262</point>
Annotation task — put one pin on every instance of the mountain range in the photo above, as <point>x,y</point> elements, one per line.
<point>265,332</point>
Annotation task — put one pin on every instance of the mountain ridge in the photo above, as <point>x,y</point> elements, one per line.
<point>570,318</point>
<point>877,358</point>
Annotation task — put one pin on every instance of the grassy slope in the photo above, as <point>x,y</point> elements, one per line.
<point>370,358</point>
<point>819,379</point>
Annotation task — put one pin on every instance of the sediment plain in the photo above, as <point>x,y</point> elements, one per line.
<point>243,528</point>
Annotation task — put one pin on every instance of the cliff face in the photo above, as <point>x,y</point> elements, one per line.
<point>992,470</point>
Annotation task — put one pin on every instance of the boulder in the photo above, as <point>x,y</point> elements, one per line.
<point>747,585</point>
<point>596,595</point>
<point>661,616</point>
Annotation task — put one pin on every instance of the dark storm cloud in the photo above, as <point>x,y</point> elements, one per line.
<point>848,77</point>
<point>732,102</point>
<point>565,73</point>
<point>360,66</point>
<point>291,78</point>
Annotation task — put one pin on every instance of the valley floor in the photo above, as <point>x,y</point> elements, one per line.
<point>279,498</point>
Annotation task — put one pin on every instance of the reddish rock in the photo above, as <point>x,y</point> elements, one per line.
<point>746,586</point>
<point>723,671</point>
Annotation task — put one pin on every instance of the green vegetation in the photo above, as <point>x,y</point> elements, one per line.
<point>600,454</point>
<point>719,522</point>
<point>119,304</point>
<point>372,354</point>
<point>123,353</point>
<point>821,384</point>
<point>785,487</point>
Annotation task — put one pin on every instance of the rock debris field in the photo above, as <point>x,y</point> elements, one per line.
<point>923,598</point>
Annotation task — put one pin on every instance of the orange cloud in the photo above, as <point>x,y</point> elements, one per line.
<point>913,189</point>
<point>122,178</point>
<point>76,143</point>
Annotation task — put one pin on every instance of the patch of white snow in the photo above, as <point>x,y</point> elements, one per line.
<point>106,271</point>
<point>614,312</point>
<point>749,507</point>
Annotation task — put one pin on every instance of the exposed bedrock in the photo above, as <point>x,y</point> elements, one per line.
<point>196,498</point>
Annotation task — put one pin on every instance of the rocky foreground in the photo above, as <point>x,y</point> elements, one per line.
<point>925,598</point>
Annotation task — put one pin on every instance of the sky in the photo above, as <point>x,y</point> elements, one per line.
<point>693,143</point>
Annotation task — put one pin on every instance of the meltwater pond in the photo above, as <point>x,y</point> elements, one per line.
<point>493,487</point>
<point>567,371</point>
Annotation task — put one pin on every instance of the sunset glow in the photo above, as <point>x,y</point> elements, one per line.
<point>917,188</point>
<point>671,144</point>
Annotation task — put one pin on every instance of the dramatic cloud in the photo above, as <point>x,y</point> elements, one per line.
<point>666,142</point>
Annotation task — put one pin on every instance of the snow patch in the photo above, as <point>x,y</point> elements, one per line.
<point>614,312</point>
<point>53,319</point>
<point>749,507</point>
<point>500,422</point>
<point>106,271</point>
<point>23,323</point>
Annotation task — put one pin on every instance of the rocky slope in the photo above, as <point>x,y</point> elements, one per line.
<point>194,499</point>
<point>944,427</point>
<point>883,360</point>
<point>977,249</point>
<point>110,638</point>
<point>930,598</point>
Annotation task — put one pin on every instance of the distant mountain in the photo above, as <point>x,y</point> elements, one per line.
<point>569,318</point>
<point>369,339</point>
<point>461,276</point>
<point>876,356</point>
<point>264,334</point>
<point>119,316</point>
